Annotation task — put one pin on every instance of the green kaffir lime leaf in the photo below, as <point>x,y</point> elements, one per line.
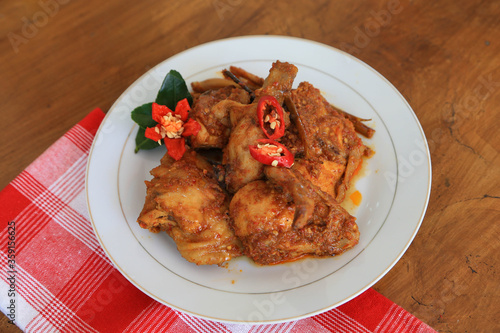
<point>173,89</point>
<point>141,142</point>
<point>142,116</point>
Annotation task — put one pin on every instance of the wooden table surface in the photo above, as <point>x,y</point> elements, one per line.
<point>60,59</point>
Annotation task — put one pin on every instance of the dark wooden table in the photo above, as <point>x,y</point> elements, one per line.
<point>60,59</point>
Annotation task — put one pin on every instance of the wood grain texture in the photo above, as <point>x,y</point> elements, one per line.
<point>441,55</point>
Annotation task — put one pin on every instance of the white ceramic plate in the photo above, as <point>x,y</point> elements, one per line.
<point>395,189</point>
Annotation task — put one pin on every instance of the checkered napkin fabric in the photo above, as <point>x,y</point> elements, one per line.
<point>56,278</point>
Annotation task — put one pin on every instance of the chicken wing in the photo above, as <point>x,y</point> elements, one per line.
<point>185,200</point>
<point>286,218</point>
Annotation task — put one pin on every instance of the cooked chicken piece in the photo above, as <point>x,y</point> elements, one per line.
<point>286,218</point>
<point>323,173</point>
<point>279,81</point>
<point>185,200</point>
<point>211,110</point>
<point>330,139</point>
<point>241,168</point>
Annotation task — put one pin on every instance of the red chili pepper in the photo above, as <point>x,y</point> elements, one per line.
<point>191,127</point>
<point>175,147</point>
<point>152,134</point>
<point>182,108</point>
<point>270,152</point>
<point>271,117</point>
<point>172,127</point>
<point>158,111</point>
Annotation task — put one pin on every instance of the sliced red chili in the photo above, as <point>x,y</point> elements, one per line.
<point>270,152</point>
<point>182,108</point>
<point>151,133</point>
<point>172,127</point>
<point>271,117</point>
<point>175,147</point>
<point>191,127</point>
<point>159,111</point>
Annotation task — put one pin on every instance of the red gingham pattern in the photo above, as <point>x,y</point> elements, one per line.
<point>65,282</point>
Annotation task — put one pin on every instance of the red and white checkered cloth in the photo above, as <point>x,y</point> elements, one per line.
<point>55,277</point>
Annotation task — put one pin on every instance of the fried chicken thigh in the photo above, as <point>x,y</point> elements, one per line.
<point>185,200</point>
<point>286,218</point>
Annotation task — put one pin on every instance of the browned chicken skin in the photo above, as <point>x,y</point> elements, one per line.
<point>185,200</point>
<point>286,218</point>
<point>335,152</point>
<point>211,110</point>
